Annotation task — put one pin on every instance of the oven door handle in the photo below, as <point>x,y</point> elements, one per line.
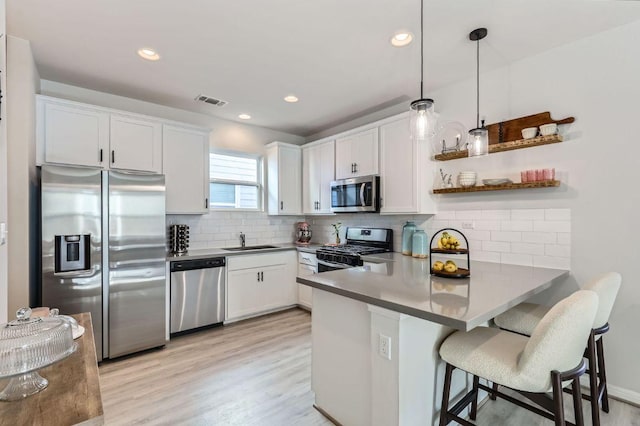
<point>362,200</point>
<point>334,265</point>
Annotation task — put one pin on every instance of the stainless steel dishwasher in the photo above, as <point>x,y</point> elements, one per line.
<point>197,293</point>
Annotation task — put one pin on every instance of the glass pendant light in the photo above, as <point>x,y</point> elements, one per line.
<point>422,112</point>
<point>478,137</point>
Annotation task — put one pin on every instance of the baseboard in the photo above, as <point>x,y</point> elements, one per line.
<point>615,392</point>
<point>624,395</point>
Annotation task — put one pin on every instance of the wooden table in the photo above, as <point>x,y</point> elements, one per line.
<point>73,395</point>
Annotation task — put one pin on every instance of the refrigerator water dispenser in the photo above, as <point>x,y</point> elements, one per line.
<point>72,253</point>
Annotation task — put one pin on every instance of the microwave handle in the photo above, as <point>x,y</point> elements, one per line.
<point>362,201</point>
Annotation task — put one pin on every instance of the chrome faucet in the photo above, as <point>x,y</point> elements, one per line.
<point>242,239</point>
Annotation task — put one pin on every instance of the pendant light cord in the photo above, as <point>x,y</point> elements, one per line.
<point>478,84</point>
<point>421,48</point>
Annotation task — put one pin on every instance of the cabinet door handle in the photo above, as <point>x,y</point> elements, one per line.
<point>281,205</point>
<point>355,167</point>
<point>206,203</point>
<point>258,277</point>
<point>113,156</point>
<point>262,276</point>
<point>380,202</point>
<point>101,155</point>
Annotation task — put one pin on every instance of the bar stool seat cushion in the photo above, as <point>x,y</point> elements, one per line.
<point>525,363</point>
<point>492,354</point>
<point>522,318</point>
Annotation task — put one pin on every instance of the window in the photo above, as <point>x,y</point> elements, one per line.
<point>235,181</point>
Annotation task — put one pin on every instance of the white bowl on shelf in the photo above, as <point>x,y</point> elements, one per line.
<point>529,132</point>
<point>549,129</point>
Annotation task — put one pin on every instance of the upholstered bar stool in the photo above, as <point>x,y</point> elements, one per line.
<point>531,366</point>
<point>524,318</point>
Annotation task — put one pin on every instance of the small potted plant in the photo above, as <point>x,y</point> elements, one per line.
<point>336,231</point>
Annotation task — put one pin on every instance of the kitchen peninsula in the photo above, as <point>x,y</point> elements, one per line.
<point>376,331</point>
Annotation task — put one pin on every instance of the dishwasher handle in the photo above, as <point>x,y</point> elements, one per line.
<point>188,265</point>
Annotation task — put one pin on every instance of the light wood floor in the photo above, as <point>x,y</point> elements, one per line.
<point>256,372</point>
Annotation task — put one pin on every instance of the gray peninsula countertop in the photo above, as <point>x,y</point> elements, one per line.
<point>403,284</point>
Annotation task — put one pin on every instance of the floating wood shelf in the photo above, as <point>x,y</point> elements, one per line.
<point>482,188</point>
<point>504,146</point>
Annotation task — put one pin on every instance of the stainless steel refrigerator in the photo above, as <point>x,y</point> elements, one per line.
<point>103,251</point>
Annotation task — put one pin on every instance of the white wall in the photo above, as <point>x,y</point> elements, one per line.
<point>596,81</point>
<point>225,134</point>
<point>22,84</point>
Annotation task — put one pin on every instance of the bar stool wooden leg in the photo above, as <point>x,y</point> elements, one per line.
<point>558,406</point>
<point>577,403</point>
<point>593,380</point>
<point>492,396</point>
<point>602,374</point>
<point>474,404</point>
<point>444,409</point>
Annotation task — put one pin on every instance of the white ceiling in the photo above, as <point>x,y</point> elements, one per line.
<point>334,55</point>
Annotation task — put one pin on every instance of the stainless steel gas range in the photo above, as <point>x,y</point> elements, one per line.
<point>360,242</point>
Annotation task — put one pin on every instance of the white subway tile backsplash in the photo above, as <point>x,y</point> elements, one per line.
<point>506,236</point>
<point>516,225</point>
<point>557,214</point>
<point>498,246</point>
<point>552,226</point>
<point>468,214</point>
<point>528,248</point>
<point>516,259</point>
<point>485,256</point>
<point>557,250</point>
<point>478,235</point>
<point>487,225</point>
<point>445,215</point>
<point>539,237</point>
<point>564,238</point>
<point>527,214</point>
<point>496,214</point>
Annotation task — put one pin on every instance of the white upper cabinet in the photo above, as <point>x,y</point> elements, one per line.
<point>72,134</point>
<point>318,163</point>
<point>284,179</point>
<point>406,172</point>
<point>357,154</point>
<point>79,134</point>
<point>135,144</point>
<point>186,169</point>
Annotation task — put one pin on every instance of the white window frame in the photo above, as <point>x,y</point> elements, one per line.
<point>259,185</point>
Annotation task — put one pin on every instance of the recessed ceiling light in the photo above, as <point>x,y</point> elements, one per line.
<point>148,54</point>
<point>244,116</point>
<point>291,98</point>
<point>401,38</point>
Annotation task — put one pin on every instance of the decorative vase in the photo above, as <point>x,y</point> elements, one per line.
<point>419,244</point>
<point>407,233</point>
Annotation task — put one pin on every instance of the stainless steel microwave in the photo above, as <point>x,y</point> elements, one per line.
<point>359,194</point>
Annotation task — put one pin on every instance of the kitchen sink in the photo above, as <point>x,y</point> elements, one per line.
<point>249,248</point>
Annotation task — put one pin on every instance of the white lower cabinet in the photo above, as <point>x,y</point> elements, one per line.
<point>260,283</point>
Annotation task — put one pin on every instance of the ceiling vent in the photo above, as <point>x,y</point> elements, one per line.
<point>212,101</point>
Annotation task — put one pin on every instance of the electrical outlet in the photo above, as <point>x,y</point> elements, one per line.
<point>468,225</point>
<point>384,346</point>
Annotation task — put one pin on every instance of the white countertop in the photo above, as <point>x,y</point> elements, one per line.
<point>403,284</point>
